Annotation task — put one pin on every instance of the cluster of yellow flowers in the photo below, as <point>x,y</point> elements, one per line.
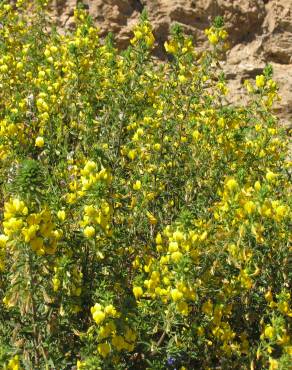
<point>75,287</point>
<point>108,331</point>
<point>215,35</point>
<point>13,364</point>
<point>83,179</point>
<point>143,33</point>
<point>35,229</point>
<point>163,281</point>
<point>144,219</point>
<point>93,216</point>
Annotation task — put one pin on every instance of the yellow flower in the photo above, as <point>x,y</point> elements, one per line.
<point>96,307</point>
<point>3,240</point>
<point>89,231</point>
<point>37,244</point>
<point>138,34</point>
<point>56,284</point>
<point>271,176</point>
<point>207,307</point>
<point>182,78</point>
<point>130,335</point>
<point>89,167</point>
<point>196,134</point>
<point>223,34</point>
<point>98,316</point>
<point>30,232</point>
<point>249,207</point>
<point>178,235</point>
<point>176,256</point>
<point>213,38</point>
<point>103,349</point>
<point>231,184</point>
<point>176,295</point>
<point>173,247</point>
<point>118,342</point>
<point>281,211</point>
<point>132,154</point>
<point>200,331</point>
<point>257,186</point>
<point>183,308</point>
<point>288,350</point>
<point>137,185</point>
<point>61,215</point>
<point>80,365</point>
<point>170,47</point>
<point>138,292</point>
<point>157,147</point>
<point>152,219</point>
<point>110,310</point>
<point>158,239</point>
<point>13,364</point>
<point>4,68</point>
<point>283,307</point>
<point>104,332</point>
<point>39,142</point>
<point>269,331</point>
<point>269,296</point>
<point>19,66</point>
<point>260,81</point>
<point>273,364</point>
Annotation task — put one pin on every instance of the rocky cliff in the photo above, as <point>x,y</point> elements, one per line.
<point>260,31</point>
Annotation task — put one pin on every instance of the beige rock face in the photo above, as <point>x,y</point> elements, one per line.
<point>277,29</point>
<point>260,31</point>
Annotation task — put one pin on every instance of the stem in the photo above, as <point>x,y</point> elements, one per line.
<point>34,318</point>
<point>161,339</point>
<point>36,333</point>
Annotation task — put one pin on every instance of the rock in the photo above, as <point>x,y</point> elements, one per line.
<point>260,31</point>
<point>283,76</point>
<point>277,29</point>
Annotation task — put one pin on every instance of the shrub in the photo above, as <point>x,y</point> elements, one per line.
<point>145,219</point>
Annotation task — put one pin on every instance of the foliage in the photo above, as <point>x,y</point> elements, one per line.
<point>145,219</point>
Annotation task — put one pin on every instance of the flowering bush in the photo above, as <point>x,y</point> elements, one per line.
<point>145,219</point>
